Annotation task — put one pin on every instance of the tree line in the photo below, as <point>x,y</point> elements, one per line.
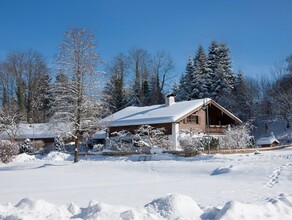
<point>211,75</point>
<point>135,78</point>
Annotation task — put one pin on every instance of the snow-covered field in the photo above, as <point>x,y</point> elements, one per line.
<point>242,186</point>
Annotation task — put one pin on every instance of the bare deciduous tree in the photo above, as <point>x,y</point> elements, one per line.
<point>78,60</point>
<point>162,67</point>
<point>282,93</point>
<point>139,60</point>
<point>22,73</point>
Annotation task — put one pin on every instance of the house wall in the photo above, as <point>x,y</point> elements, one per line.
<point>200,127</point>
<point>218,121</point>
<point>274,144</point>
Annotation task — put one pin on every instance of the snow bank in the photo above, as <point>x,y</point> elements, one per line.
<point>57,156</point>
<point>30,209</point>
<point>173,206</point>
<point>52,156</point>
<point>24,158</point>
<point>280,208</point>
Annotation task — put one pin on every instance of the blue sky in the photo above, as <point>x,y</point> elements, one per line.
<point>258,32</point>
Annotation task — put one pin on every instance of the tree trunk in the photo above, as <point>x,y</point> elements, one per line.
<point>77,141</point>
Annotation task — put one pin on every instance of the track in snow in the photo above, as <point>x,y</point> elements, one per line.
<point>274,178</point>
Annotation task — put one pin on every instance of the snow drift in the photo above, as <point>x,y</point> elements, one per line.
<point>174,206</point>
<point>221,170</point>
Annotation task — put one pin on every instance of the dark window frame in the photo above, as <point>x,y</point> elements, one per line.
<point>193,119</point>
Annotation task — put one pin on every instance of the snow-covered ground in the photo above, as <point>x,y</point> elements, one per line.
<point>242,186</point>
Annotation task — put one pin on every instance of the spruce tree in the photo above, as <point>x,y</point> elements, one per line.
<point>114,95</point>
<point>145,93</point>
<point>185,86</point>
<point>175,89</point>
<point>156,96</point>
<point>225,61</point>
<point>221,71</point>
<point>42,100</point>
<point>201,76</point>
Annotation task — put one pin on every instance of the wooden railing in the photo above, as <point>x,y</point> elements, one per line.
<point>218,129</point>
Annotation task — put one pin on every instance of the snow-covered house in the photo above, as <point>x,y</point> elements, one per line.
<point>270,141</point>
<point>201,115</point>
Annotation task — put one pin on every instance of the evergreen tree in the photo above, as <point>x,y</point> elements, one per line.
<point>221,71</point>
<point>114,95</point>
<point>289,64</point>
<point>225,61</point>
<point>5,87</point>
<point>145,93</point>
<point>213,58</point>
<point>175,89</point>
<point>58,143</point>
<point>42,101</point>
<point>201,76</point>
<point>21,97</point>
<point>185,86</point>
<point>26,146</point>
<point>45,96</point>
<point>155,95</point>
<point>219,88</point>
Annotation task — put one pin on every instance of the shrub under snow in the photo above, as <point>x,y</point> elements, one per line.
<point>236,137</point>
<point>7,151</point>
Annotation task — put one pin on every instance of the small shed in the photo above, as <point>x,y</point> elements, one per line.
<point>99,137</point>
<point>270,141</point>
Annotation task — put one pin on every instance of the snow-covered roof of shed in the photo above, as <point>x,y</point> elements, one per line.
<point>99,135</point>
<point>267,140</point>
<point>154,114</point>
<point>40,130</point>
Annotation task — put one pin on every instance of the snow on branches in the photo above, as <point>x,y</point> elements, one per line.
<point>152,136</point>
<point>145,136</point>
<point>237,137</point>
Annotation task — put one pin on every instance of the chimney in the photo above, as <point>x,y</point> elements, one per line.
<point>169,99</point>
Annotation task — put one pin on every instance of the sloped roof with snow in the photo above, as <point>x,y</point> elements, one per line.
<point>267,140</point>
<point>156,114</point>
<point>40,130</point>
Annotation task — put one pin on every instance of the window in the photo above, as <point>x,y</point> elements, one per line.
<point>194,119</point>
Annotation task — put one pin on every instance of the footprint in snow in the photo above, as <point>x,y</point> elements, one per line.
<point>274,178</point>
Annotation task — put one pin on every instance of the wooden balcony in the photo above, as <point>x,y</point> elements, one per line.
<point>217,129</point>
